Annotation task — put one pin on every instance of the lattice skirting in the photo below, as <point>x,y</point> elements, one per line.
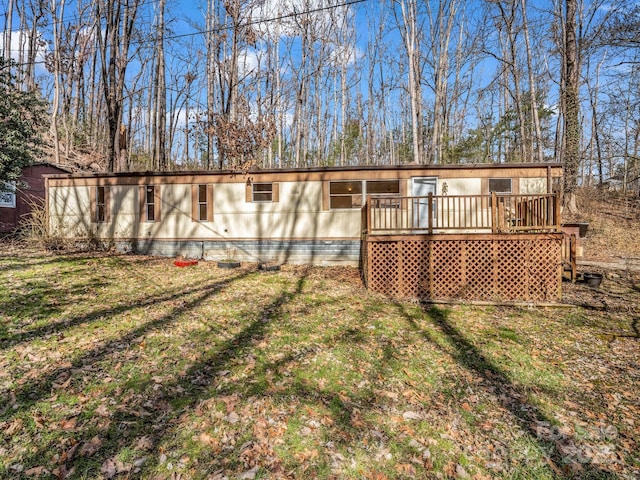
<point>521,267</point>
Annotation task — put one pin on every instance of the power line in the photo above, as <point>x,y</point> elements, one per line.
<point>229,26</point>
<point>268,20</point>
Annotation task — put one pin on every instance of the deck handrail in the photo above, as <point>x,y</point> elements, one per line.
<point>494,213</point>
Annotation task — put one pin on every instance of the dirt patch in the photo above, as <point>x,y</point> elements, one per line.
<point>618,292</point>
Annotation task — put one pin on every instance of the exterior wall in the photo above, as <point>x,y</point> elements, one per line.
<point>461,186</point>
<point>533,185</point>
<point>30,191</point>
<point>301,218</point>
<point>298,228</point>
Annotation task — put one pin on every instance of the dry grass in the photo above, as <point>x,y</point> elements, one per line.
<point>614,223</point>
<point>128,367</point>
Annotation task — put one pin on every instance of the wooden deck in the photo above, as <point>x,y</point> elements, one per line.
<point>462,214</point>
<point>472,247</point>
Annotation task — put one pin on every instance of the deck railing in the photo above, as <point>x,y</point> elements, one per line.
<point>495,213</point>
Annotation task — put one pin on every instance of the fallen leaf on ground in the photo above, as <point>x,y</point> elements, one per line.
<point>91,447</point>
<point>250,474</point>
<point>411,415</point>
<point>36,472</point>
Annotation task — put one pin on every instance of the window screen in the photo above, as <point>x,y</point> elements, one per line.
<point>150,203</point>
<point>346,194</point>
<point>500,185</point>
<point>262,192</point>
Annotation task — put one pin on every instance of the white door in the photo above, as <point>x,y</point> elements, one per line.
<point>421,187</point>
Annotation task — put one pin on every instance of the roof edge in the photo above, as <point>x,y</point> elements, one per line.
<point>350,168</point>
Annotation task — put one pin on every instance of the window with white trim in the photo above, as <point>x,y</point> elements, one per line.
<point>150,203</point>
<point>262,192</point>
<point>8,194</point>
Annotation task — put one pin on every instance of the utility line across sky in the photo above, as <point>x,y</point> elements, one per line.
<point>227,26</point>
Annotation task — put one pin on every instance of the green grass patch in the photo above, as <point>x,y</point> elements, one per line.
<point>109,362</point>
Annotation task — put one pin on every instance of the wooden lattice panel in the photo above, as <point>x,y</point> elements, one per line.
<point>511,280</point>
<point>447,267</point>
<point>545,259</point>
<point>469,267</point>
<point>480,269</point>
<point>415,268</point>
<point>384,273</point>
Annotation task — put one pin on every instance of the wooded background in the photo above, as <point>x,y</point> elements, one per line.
<point>166,85</point>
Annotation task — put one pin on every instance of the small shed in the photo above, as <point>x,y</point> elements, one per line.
<point>17,201</point>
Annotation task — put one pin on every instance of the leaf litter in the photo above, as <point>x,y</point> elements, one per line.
<point>214,374</point>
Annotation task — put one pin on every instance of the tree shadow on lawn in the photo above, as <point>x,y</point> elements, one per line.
<point>34,390</point>
<point>36,300</point>
<point>56,327</point>
<point>125,426</point>
<point>24,260</point>
<point>511,396</point>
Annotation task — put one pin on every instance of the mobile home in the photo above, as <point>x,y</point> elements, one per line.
<point>481,231</point>
<point>312,215</point>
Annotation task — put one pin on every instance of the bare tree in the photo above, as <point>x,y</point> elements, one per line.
<point>8,26</point>
<point>536,145</point>
<point>571,106</point>
<point>114,39</point>
<point>57,11</point>
<point>410,31</point>
<point>160,99</point>
<point>441,25</point>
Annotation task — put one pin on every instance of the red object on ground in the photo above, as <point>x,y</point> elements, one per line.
<point>185,263</point>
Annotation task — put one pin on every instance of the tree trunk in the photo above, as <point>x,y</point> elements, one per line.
<point>113,45</point>
<point>8,26</point>
<point>56,12</point>
<point>159,150</point>
<point>571,127</point>
<point>409,34</point>
<point>211,82</point>
<point>537,152</point>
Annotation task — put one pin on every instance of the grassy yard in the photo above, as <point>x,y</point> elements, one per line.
<point>129,367</point>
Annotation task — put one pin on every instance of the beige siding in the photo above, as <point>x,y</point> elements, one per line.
<point>530,186</point>
<point>69,211</point>
<point>461,186</point>
<point>299,213</point>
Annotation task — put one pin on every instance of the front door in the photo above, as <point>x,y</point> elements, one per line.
<point>421,187</point>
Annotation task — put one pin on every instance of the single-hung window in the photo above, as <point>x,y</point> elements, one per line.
<point>500,185</point>
<point>150,203</point>
<point>345,194</point>
<point>8,195</point>
<point>101,203</point>
<point>263,192</point>
<point>202,203</point>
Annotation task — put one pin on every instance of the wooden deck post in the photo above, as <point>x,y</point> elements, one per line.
<point>369,219</point>
<point>430,210</point>
<point>494,213</point>
<point>572,259</point>
<point>556,201</point>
